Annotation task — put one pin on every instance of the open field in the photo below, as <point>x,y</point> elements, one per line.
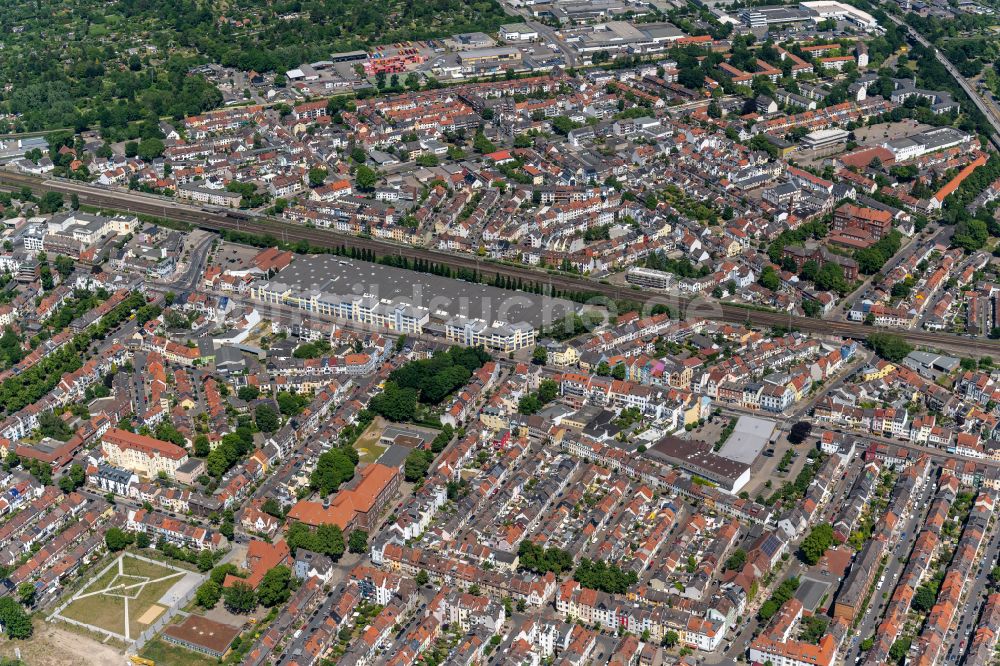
<point>367,444</point>
<point>56,645</point>
<point>126,591</point>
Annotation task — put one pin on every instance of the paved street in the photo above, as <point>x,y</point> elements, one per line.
<point>976,589</point>
<point>893,568</point>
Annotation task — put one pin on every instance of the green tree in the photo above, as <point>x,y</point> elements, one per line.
<point>365,178</point>
<point>150,149</point>
<point>333,468</point>
<point>923,598</point>
<point>769,279</point>
<point>421,578</point>
<point>240,598</point>
<point>395,403</point>
<point>219,573</point>
<point>275,588</point>
<point>736,561</point>
<point>317,176</point>
<point>417,463</point>
<point>205,560</point>
<point>248,393</point>
<point>889,346</point>
<point>15,621</point>
<point>330,541</point>
<point>266,418</point>
<point>208,594</point>
<point>26,593</point>
<point>483,145</point>
<point>900,647</point>
<point>272,507</point>
<point>50,202</point>
<point>72,479</point>
<point>202,447</point>
<point>539,356</point>
<point>814,546</point>
<point>116,539</point>
<point>358,542</point>
<point>970,234</point>
<point>831,278</point>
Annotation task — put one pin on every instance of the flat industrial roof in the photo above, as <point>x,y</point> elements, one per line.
<point>206,634</point>
<point>342,276</point>
<point>697,458</point>
<point>751,435</point>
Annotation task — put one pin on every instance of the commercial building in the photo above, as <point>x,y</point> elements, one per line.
<point>202,635</point>
<point>748,439</point>
<point>824,138</point>
<point>518,32</point>
<point>648,277</point>
<point>480,57</point>
<point>143,455</point>
<point>697,459</point>
<point>928,141</point>
<point>809,12</point>
<point>498,336</point>
<point>364,309</point>
<point>215,197</point>
<point>398,299</point>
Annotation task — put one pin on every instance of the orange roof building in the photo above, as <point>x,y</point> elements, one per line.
<point>938,199</point>
<point>144,455</point>
<point>357,507</point>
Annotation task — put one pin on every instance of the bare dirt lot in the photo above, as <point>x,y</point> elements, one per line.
<point>54,646</point>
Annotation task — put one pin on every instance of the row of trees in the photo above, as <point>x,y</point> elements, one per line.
<point>535,558</point>
<point>333,468</point>
<point>435,378</point>
<point>23,389</point>
<point>872,259</point>
<point>605,577</point>
<point>781,594</point>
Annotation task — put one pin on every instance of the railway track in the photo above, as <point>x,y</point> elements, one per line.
<point>694,307</point>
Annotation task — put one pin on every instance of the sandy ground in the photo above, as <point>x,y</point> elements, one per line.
<point>53,646</point>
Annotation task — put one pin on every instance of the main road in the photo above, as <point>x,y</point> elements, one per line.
<point>220,219</point>
<point>988,110</point>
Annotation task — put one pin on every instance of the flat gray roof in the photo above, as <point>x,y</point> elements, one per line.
<point>751,435</point>
<point>811,592</point>
<point>342,276</point>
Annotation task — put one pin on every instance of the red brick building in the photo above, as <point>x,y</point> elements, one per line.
<point>877,223</point>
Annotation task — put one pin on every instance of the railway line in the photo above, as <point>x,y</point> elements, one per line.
<point>693,307</point>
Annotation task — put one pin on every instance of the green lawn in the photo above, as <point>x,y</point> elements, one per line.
<point>107,611</point>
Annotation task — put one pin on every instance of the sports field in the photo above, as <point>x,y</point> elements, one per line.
<point>124,597</point>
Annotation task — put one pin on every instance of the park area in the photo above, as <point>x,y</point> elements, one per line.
<point>368,445</point>
<point>124,597</point>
